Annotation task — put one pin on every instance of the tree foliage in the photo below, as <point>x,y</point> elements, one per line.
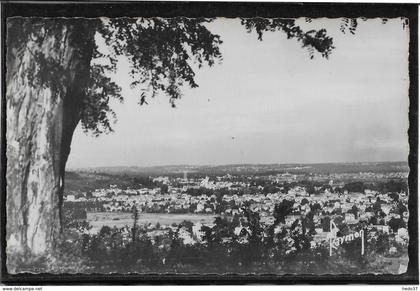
<point>162,51</point>
<point>312,40</point>
<point>163,54</point>
<point>282,209</point>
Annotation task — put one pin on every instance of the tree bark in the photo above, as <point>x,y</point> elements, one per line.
<point>42,109</point>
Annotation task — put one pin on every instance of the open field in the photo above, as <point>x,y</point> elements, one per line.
<point>121,219</point>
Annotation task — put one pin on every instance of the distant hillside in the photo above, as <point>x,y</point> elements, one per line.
<point>89,181</point>
<point>382,167</point>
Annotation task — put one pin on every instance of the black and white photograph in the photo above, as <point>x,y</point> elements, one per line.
<point>207,145</point>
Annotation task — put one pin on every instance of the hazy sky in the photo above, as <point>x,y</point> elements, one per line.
<point>269,103</point>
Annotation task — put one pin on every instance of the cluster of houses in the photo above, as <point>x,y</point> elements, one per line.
<point>374,209</point>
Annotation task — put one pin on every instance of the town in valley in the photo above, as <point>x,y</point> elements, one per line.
<point>286,211</point>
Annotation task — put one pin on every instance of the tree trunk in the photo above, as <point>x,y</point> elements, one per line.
<point>45,75</point>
